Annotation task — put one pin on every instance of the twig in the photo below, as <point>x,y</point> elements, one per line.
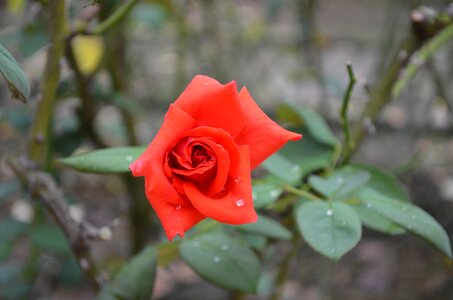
<point>114,18</point>
<point>348,142</point>
<point>302,193</point>
<point>39,142</point>
<point>43,187</point>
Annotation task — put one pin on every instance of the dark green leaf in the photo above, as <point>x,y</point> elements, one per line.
<point>265,194</point>
<point>104,161</point>
<point>50,238</point>
<point>330,228</point>
<point>255,241</point>
<point>301,115</point>
<point>11,229</point>
<point>7,188</point>
<point>340,182</point>
<point>410,217</point>
<point>15,77</point>
<point>283,168</point>
<point>222,260</point>
<point>307,153</point>
<point>384,182</point>
<point>135,280</point>
<point>267,227</point>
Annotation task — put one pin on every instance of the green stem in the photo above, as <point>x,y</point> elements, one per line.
<point>348,142</point>
<point>114,18</point>
<point>302,193</point>
<point>285,268</point>
<point>40,135</point>
<point>421,57</point>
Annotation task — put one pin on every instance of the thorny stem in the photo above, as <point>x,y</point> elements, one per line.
<point>348,142</point>
<point>40,135</point>
<point>44,188</point>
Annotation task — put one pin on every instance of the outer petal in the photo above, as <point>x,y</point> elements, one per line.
<point>175,219</point>
<point>263,135</point>
<point>234,208</point>
<point>150,163</point>
<point>213,104</point>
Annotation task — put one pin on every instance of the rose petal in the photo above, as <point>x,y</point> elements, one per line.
<point>175,219</point>
<point>234,208</point>
<point>150,163</point>
<point>263,135</point>
<point>213,104</point>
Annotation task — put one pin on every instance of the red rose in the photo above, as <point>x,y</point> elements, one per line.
<point>199,164</point>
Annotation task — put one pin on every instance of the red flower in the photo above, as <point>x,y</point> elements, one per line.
<point>200,161</point>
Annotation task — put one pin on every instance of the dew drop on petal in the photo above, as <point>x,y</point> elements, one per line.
<point>240,202</point>
<point>329,212</point>
<point>237,179</point>
<point>177,207</point>
<point>216,259</point>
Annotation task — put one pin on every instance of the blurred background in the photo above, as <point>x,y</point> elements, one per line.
<point>283,51</point>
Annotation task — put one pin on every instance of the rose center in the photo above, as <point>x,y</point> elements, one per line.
<point>200,155</point>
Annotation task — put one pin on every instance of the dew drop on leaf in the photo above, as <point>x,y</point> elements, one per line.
<point>216,259</point>
<point>329,212</point>
<point>195,244</point>
<point>129,158</point>
<point>224,247</point>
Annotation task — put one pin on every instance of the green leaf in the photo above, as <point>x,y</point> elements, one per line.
<point>5,249</point>
<point>307,153</point>
<point>301,115</point>
<point>330,228</point>
<point>223,261</point>
<point>15,77</point>
<point>384,182</point>
<point>340,182</point>
<point>410,217</point>
<point>104,161</point>
<point>283,168</point>
<point>8,188</point>
<point>267,227</point>
<point>373,220</point>
<point>10,229</point>
<point>50,238</point>
<point>265,194</point>
<point>255,241</point>
<point>135,279</point>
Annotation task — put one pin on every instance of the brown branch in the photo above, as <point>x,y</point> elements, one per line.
<point>44,188</point>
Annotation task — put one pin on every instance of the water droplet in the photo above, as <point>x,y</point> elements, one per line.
<point>332,250</point>
<point>295,169</point>
<point>240,202</point>
<point>413,217</point>
<point>177,207</point>
<point>129,158</point>
<point>274,193</point>
<point>329,212</point>
<point>368,205</point>
<point>216,259</point>
<point>409,227</point>
<point>237,179</point>
<point>224,247</point>
<point>195,244</point>
<point>343,223</point>
<point>340,180</point>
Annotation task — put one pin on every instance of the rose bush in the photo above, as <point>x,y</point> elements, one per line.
<point>199,164</point>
